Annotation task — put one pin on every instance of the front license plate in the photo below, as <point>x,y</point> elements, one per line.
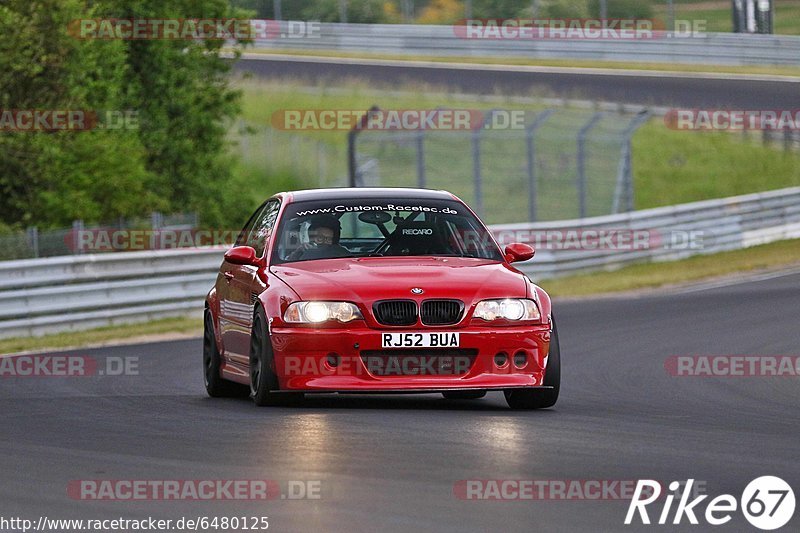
<point>420,340</point>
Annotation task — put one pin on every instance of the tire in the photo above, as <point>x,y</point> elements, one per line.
<point>264,389</point>
<point>216,386</point>
<point>464,395</point>
<point>541,398</point>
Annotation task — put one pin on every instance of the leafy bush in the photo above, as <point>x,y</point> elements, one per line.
<point>175,161</point>
<point>623,9</point>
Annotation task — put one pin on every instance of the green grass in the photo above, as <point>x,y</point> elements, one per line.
<point>698,268</point>
<point>719,16</point>
<point>183,325</point>
<point>670,166</point>
<point>673,167</point>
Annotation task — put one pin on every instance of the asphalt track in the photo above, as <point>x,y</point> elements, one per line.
<point>685,90</point>
<point>389,463</point>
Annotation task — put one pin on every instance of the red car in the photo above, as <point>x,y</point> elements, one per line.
<point>377,291</point>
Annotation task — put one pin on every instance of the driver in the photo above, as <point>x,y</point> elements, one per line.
<point>323,240</point>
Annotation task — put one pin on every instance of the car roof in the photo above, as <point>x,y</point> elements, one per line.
<point>345,193</point>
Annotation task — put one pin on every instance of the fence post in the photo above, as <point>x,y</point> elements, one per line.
<point>322,165</point>
<point>530,131</point>
<point>421,178</point>
<point>476,170</point>
<point>77,230</point>
<point>624,186</point>
<point>581,161</point>
<point>294,149</point>
<point>352,135</point>
<point>477,134</point>
<point>33,239</point>
<point>243,138</point>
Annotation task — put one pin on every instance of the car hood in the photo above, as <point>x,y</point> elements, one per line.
<point>368,279</point>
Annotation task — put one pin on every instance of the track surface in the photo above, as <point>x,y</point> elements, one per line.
<point>635,89</point>
<point>388,463</point>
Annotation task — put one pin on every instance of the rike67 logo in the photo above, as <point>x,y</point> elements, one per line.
<point>767,503</point>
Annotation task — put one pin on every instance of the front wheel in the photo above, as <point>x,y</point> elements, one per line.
<point>216,387</point>
<point>264,389</point>
<point>541,398</point>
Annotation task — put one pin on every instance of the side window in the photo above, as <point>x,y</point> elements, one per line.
<point>464,236</point>
<point>241,239</point>
<point>263,226</point>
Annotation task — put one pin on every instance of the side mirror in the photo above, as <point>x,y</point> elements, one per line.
<point>242,255</point>
<point>517,251</point>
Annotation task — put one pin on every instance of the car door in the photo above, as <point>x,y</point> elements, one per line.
<point>227,272</point>
<point>244,286</point>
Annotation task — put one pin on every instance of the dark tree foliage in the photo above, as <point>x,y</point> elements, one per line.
<point>174,161</point>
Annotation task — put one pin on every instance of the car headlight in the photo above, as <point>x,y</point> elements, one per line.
<point>317,312</point>
<point>507,309</point>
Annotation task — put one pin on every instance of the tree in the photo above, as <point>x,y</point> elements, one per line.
<point>358,11</point>
<point>441,12</point>
<point>175,161</point>
<point>51,178</point>
<point>500,8</point>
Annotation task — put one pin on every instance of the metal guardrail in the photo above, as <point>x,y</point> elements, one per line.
<point>661,234</point>
<point>40,296</point>
<point>429,40</point>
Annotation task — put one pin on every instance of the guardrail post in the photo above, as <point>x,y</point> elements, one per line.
<point>530,131</point>
<point>352,135</point>
<point>581,161</point>
<point>624,185</point>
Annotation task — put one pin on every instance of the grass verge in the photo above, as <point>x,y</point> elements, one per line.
<point>109,334</point>
<point>698,268</point>
<point>718,17</point>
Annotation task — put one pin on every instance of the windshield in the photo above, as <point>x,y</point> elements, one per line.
<point>380,227</point>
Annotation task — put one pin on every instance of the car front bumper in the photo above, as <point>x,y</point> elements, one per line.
<point>352,360</point>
